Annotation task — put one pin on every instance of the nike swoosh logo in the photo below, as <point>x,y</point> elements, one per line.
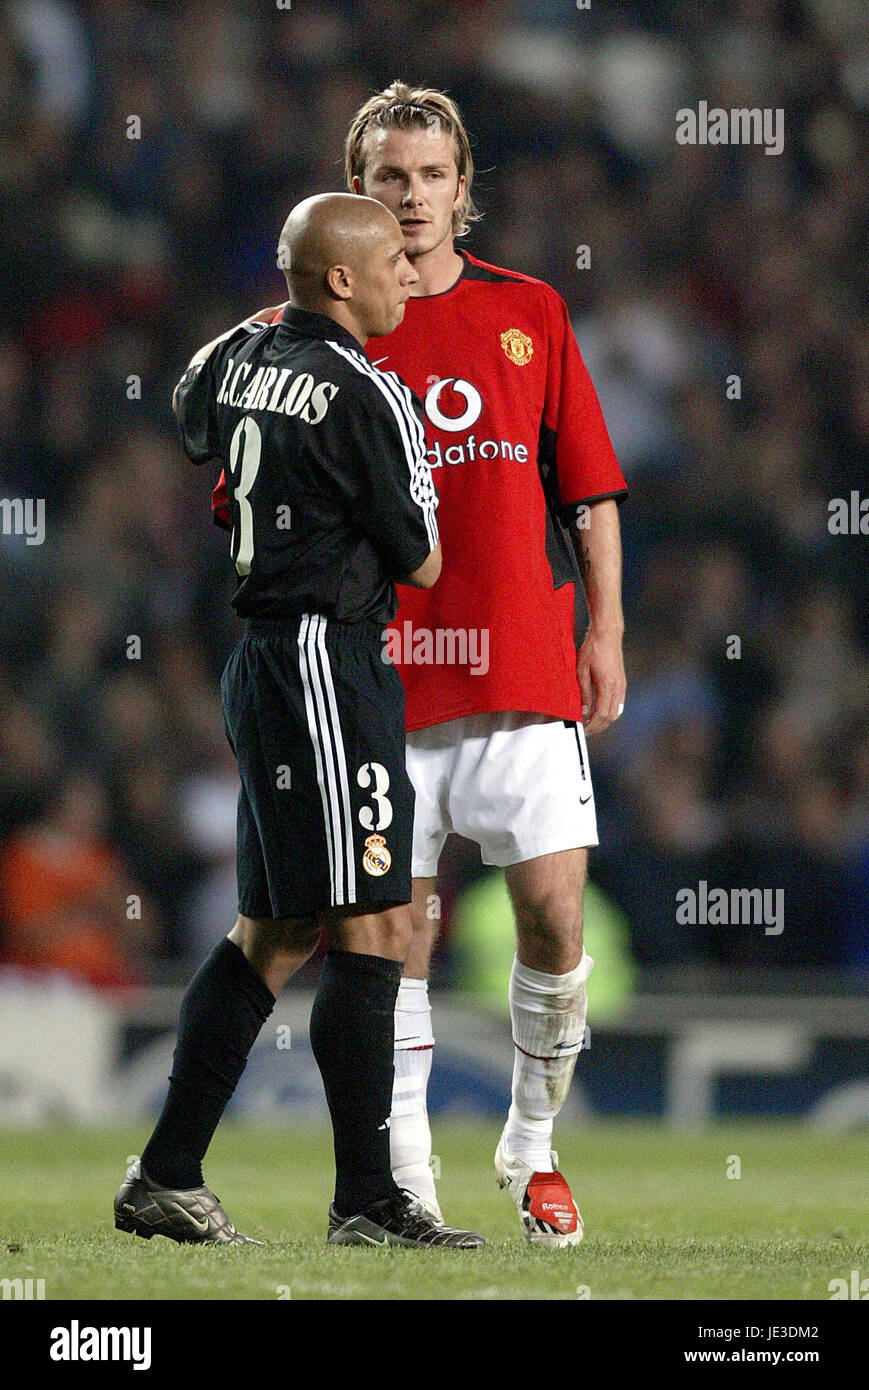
<point>201,1225</point>
<point>370,1239</point>
<point>584,799</point>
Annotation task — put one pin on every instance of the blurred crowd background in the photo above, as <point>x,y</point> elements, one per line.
<point>120,256</point>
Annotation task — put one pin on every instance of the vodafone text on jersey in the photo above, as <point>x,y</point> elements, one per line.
<point>471,448</point>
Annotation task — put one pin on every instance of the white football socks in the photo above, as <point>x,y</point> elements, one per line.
<point>409,1133</point>
<point>548,1014</point>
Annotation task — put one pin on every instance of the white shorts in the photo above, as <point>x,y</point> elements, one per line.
<point>517,784</point>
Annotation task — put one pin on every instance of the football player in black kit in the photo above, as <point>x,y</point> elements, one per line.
<point>332,502</point>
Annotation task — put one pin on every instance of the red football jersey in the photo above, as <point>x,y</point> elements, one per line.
<point>516,440</point>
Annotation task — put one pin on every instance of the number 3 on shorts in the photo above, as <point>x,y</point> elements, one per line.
<point>378,793</point>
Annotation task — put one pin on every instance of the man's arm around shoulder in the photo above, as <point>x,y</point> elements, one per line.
<point>428,572</point>
<point>202,354</point>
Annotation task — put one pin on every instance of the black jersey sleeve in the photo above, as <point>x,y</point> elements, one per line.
<point>196,391</point>
<point>398,501</point>
<point>194,411</point>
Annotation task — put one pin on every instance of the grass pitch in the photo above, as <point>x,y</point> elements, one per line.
<point>663,1219</point>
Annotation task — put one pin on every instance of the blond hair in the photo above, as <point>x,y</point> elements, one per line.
<point>401,107</point>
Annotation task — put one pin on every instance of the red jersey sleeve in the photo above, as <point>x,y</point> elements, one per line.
<point>573,423</point>
<point>220,503</point>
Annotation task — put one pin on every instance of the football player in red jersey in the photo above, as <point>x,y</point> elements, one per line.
<point>498,698</point>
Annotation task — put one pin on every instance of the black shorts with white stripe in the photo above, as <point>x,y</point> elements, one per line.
<point>325,812</point>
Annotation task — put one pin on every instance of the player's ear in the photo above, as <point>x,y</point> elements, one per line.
<point>338,282</point>
<point>356,184</point>
<point>460,193</point>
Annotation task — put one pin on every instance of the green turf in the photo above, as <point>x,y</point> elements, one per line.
<point>662,1218</point>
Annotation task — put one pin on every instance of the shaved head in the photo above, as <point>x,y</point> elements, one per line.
<point>343,256</point>
<point>331,229</point>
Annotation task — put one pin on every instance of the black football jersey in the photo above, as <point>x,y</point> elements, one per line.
<point>330,491</point>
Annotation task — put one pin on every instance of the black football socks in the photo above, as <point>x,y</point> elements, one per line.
<point>352,1035</point>
<point>221,1014</point>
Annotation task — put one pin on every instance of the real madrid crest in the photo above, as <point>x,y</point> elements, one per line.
<point>518,346</point>
<point>376,860</point>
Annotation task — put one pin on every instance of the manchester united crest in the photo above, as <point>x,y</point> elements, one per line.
<point>518,346</point>
<point>376,860</point>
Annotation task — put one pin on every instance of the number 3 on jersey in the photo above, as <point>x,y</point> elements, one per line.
<point>378,795</point>
<point>244,449</point>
